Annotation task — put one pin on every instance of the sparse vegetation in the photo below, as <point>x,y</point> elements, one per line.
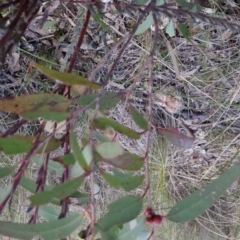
<point>119,111</point>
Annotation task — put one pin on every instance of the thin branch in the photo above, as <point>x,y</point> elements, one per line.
<point>150,102</point>
<point>14,128</point>
<point>80,41</point>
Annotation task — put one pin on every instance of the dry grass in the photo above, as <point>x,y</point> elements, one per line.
<point>208,90</point>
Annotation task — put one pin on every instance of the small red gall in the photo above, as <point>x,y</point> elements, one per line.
<point>152,218</point>
<point>149,212</point>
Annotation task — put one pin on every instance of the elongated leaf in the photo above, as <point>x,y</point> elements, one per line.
<point>185,4</point>
<point>52,166</point>
<point>138,118</point>
<point>103,122</point>
<point>141,2</point>
<point>31,186</point>
<point>177,138</point>
<point>81,197</point>
<point>170,29</point>
<point>100,137</point>
<point>184,30</point>
<point>195,204</point>
<point>60,191</point>
<point>56,229</point>
<point>5,191</point>
<point>189,5</point>
<point>67,78</point>
<point>109,150</point>
<point>47,106</point>
<point>124,180</point>
<point>50,213</point>
<point>144,235</point>
<point>68,159</point>
<point>107,101</point>
<point>6,171</point>
<point>47,115</point>
<point>126,161</point>
<point>121,211</point>
<point>145,25</point>
<point>91,114</point>
<point>17,144</point>
<point>112,233</point>
<point>77,153</point>
<point>132,230</point>
<point>148,22</point>
<point>76,169</point>
<point>52,144</point>
<point>28,184</point>
<point>96,16</point>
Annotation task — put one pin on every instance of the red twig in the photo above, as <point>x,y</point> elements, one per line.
<point>80,41</point>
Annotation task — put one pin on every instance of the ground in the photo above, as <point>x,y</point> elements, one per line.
<point>194,82</point>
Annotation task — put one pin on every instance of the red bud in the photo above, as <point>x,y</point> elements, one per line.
<point>152,218</point>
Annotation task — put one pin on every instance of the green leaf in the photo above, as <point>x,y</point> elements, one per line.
<point>103,122</point>
<point>107,101</point>
<point>49,24</point>
<point>81,197</point>
<point>76,169</point>
<point>5,191</point>
<point>100,137</point>
<point>51,213</point>
<point>55,116</point>
<point>110,234</point>
<point>144,235</point>
<point>145,25</point>
<point>126,161</point>
<point>189,5</point>
<point>170,30</point>
<point>126,181</point>
<point>68,159</point>
<point>67,78</point>
<point>148,22</point>
<point>4,172</point>
<point>132,230</point>
<point>56,229</point>
<point>109,150</point>
<point>121,211</point>
<point>17,144</point>
<point>44,105</point>
<point>91,114</point>
<point>96,16</point>
<point>28,184</point>
<point>138,118</point>
<point>31,186</point>
<point>77,153</point>
<point>52,144</point>
<point>195,204</point>
<point>174,136</point>
<point>185,4</point>
<point>141,2</point>
<point>52,166</point>
<point>60,191</point>
<point>184,30</point>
